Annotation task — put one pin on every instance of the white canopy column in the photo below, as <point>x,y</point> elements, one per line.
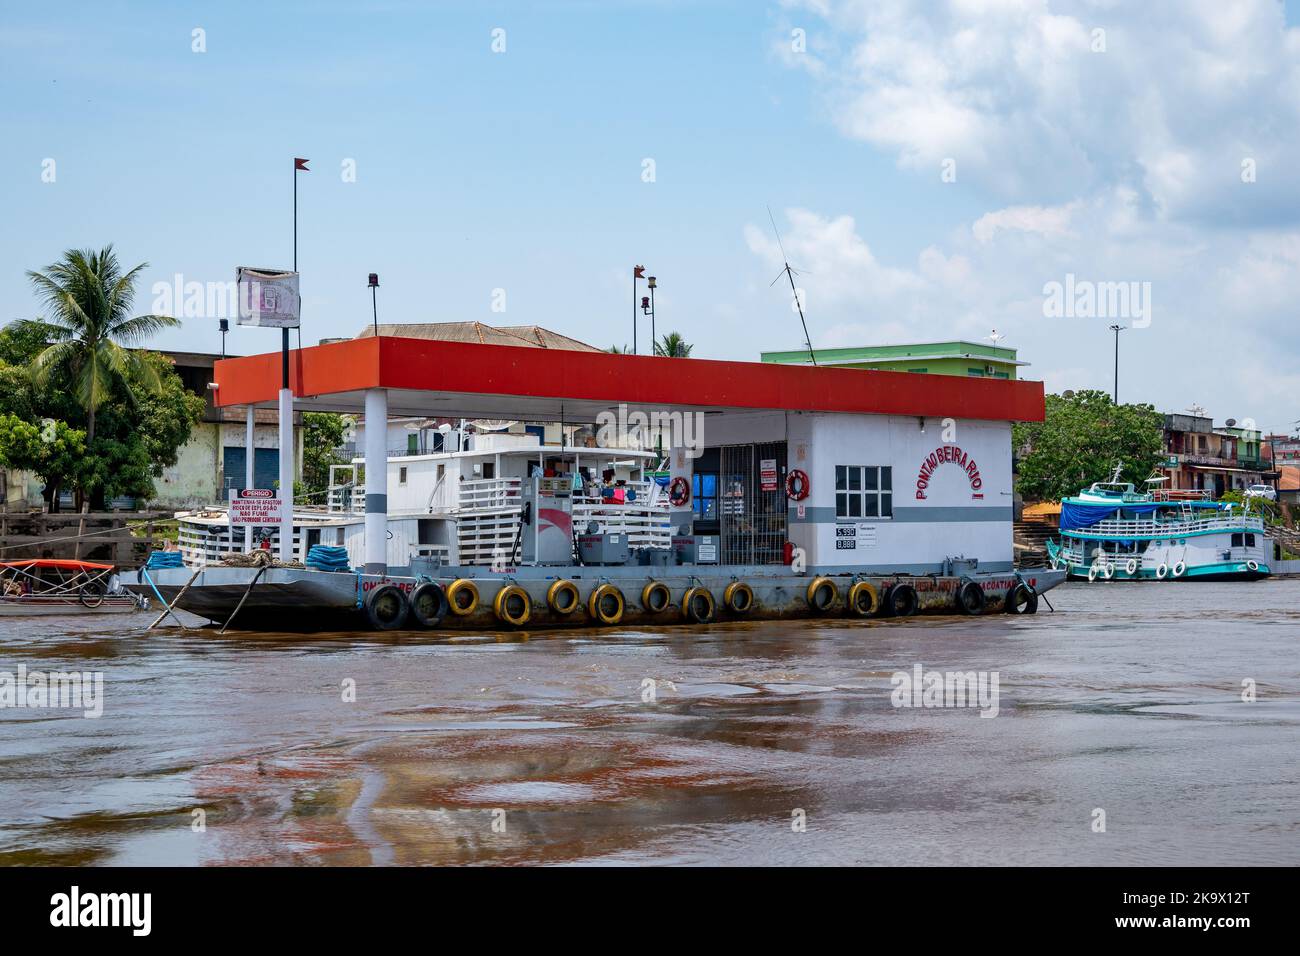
<point>376,481</point>
<point>286,473</point>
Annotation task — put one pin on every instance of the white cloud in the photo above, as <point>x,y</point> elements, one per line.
<point>1117,166</point>
<point>1020,96</point>
<point>1222,303</point>
<point>830,256</point>
<point>1046,221</point>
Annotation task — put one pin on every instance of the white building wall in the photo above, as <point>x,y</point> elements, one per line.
<point>957,512</point>
<point>950,512</point>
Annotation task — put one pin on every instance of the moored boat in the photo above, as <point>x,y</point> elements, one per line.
<point>46,586</point>
<point>1111,531</point>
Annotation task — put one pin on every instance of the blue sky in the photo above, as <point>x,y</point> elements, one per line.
<point>522,170</point>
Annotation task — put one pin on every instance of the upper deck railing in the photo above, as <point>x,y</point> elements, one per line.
<point>1147,528</point>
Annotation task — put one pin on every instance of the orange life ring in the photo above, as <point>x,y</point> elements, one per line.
<point>797,485</point>
<point>679,491</point>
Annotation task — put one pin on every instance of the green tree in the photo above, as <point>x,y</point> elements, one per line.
<point>1081,440</point>
<point>673,345</point>
<point>51,450</point>
<point>139,437</point>
<point>89,324</point>
<point>141,425</point>
<point>323,433</point>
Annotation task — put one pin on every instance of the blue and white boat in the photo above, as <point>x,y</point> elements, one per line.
<point>1110,531</point>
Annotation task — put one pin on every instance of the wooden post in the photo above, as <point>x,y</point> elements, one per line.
<point>81,528</point>
<point>243,598</point>
<point>176,600</point>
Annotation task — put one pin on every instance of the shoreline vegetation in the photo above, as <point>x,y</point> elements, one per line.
<point>84,405</point>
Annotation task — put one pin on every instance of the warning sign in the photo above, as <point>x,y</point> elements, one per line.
<point>255,506</point>
<point>767,474</point>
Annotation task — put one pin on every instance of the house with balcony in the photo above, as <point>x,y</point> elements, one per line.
<point>1201,457</point>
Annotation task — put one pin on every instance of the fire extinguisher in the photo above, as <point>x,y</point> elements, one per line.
<point>787,553</point>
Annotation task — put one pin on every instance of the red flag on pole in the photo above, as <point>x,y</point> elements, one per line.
<point>301,164</point>
<point>638,272</point>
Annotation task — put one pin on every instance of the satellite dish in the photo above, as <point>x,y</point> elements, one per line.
<point>492,424</point>
<point>1068,393</point>
<point>1232,422</point>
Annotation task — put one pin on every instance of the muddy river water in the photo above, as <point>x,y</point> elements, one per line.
<point>771,743</point>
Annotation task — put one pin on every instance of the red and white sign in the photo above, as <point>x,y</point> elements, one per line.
<point>945,455</point>
<point>767,474</point>
<point>256,506</point>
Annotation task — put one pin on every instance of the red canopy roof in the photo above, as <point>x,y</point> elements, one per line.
<point>474,380</point>
<point>57,563</point>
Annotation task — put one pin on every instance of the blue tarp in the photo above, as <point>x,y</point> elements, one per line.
<point>325,557</point>
<point>1084,516</point>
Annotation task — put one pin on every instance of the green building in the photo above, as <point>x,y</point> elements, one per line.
<point>937,358</point>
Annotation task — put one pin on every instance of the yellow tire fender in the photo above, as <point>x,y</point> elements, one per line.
<point>513,605</point>
<point>462,597</point>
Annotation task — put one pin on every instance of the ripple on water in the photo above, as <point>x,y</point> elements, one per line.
<point>529,792</point>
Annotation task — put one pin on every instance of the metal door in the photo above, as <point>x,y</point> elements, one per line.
<point>752,516</point>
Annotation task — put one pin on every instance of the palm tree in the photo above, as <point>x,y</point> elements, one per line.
<point>673,345</point>
<point>619,350</point>
<point>89,322</point>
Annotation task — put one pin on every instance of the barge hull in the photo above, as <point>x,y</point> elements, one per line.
<point>296,600</point>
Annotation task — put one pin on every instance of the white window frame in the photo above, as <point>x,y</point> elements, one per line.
<point>845,494</point>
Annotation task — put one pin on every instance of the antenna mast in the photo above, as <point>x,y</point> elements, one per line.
<point>789,274</point>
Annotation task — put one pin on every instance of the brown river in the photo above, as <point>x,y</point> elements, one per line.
<point>1119,736</point>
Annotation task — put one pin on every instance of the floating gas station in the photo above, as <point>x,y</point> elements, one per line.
<point>800,491</point>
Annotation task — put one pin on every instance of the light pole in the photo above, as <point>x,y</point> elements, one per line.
<point>651,283</point>
<point>638,272</point>
<point>374,306</point>
<point>1117,329</point>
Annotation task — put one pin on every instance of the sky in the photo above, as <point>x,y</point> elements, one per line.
<point>936,170</point>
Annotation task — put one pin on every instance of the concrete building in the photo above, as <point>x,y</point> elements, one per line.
<point>1281,449</point>
<point>212,461</point>
<point>968,359</point>
<point>1199,456</point>
<point>1288,485</point>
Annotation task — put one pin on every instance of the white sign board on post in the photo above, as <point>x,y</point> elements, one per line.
<point>268,298</point>
<point>256,506</point>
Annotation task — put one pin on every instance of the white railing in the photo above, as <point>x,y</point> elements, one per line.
<point>345,495</point>
<point>489,494</point>
<point>346,499</point>
<point>204,544</point>
<point>439,551</point>
<point>1078,554</point>
<point>487,521</point>
<point>1117,528</point>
